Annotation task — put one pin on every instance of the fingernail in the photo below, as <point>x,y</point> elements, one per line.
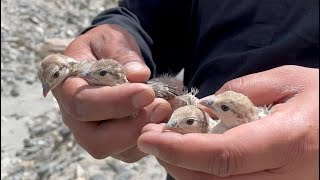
<point>158,114</point>
<point>149,149</point>
<point>142,99</point>
<point>134,66</point>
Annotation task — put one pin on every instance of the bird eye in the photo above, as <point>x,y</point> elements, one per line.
<point>190,121</point>
<point>103,72</point>
<point>225,107</point>
<point>56,74</point>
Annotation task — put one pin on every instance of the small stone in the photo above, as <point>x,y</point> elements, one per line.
<point>98,177</point>
<point>27,164</point>
<point>14,92</point>
<point>27,143</point>
<point>80,172</point>
<point>35,20</point>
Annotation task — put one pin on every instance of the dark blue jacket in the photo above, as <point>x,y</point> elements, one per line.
<point>216,41</point>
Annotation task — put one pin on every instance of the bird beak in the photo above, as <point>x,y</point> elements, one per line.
<point>206,102</point>
<point>171,125</point>
<point>45,89</point>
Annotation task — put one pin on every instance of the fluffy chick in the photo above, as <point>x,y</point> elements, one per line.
<point>187,98</point>
<point>190,119</point>
<point>53,70</point>
<point>234,108</point>
<point>110,73</point>
<point>231,108</point>
<point>104,72</point>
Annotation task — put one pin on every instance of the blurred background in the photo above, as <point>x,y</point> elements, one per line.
<point>35,144</point>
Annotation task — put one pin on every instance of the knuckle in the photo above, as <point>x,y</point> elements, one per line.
<point>127,159</point>
<point>222,164</point>
<point>288,67</point>
<point>92,143</point>
<point>100,40</point>
<point>97,153</point>
<point>93,146</point>
<point>77,107</point>
<point>125,55</point>
<point>170,154</point>
<point>234,85</point>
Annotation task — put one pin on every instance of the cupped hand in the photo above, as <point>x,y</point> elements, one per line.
<point>99,116</point>
<point>283,145</point>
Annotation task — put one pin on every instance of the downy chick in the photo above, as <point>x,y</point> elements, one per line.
<point>110,72</point>
<point>105,72</point>
<point>234,108</point>
<point>187,98</point>
<point>231,108</point>
<point>190,119</point>
<point>55,68</point>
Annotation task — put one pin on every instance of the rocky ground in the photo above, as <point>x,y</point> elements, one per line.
<point>35,144</point>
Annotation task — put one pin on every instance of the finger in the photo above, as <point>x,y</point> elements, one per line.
<point>179,173</point>
<point>185,174</point>
<point>152,127</point>
<point>110,137</point>
<point>92,103</point>
<point>113,41</point>
<point>269,86</point>
<point>244,149</point>
<point>79,49</point>
<point>162,112</point>
<point>131,155</point>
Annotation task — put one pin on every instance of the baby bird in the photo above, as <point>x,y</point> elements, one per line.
<point>109,72</point>
<point>231,108</point>
<point>234,108</point>
<point>105,72</point>
<point>190,119</point>
<point>55,68</point>
<point>187,98</point>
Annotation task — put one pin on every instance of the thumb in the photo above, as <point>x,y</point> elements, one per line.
<point>271,86</point>
<point>114,42</point>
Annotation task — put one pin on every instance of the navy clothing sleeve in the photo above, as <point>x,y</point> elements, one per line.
<point>216,41</point>
<point>156,25</point>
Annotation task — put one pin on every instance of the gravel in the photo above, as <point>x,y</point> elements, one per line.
<point>35,142</point>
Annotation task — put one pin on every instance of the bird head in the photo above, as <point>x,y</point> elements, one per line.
<point>53,70</point>
<point>231,107</point>
<point>105,72</point>
<point>188,119</point>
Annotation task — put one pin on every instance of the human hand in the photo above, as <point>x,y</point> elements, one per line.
<point>283,145</point>
<point>83,107</point>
